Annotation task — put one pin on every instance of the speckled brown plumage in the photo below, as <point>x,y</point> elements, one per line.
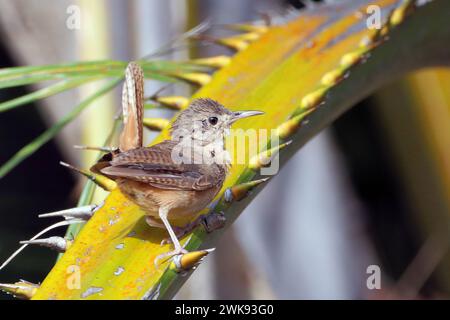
<point>154,165</point>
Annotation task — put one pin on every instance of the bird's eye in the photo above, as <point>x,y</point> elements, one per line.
<point>213,120</point>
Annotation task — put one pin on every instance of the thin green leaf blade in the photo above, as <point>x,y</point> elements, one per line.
<point>38,142</point>
<point>45,92</point>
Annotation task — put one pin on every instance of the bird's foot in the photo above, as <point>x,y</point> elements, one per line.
<point>211,222</point>
<point>169,255</point>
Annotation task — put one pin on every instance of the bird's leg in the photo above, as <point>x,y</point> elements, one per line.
<point>180,232</point>
<point>163,212</point>
<point>211,221</point>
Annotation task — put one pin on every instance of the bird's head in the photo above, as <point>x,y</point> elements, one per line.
<point>206,121</point>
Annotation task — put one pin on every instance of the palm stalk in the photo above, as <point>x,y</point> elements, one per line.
<point>304,74</point>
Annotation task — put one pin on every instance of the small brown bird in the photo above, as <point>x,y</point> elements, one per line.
<point>178,177</point>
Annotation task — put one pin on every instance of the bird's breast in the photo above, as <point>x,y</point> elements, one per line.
<point>181,203</point>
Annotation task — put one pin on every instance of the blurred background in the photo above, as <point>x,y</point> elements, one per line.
<point>373,189</point>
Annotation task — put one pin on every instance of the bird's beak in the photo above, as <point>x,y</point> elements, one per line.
<point>244,114</point>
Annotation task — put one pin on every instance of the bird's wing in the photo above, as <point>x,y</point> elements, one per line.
<point>154,165</point>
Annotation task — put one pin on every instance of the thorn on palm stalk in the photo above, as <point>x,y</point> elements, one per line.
<point>313,99</point>
<point>333,77</point>
<point>289,127</point>
<point>66,222</point>
<point>374,38</point>
<point>383,34</point>
<point>213,62</point>
<point>172,102</point>
<point>155,124</point>
<point>197,78</point>
<point>101,181</point>
<point>82,213</point>
<point>353,58</point>
<point>55,243</point>
<point>248,36</point>
<point>234,43</point>
<point>399,14</point>
<point>264,158</point>
<point>240,191</point>
<point>102,149</point>
<point>190,260</point>
<point>21,289</point>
